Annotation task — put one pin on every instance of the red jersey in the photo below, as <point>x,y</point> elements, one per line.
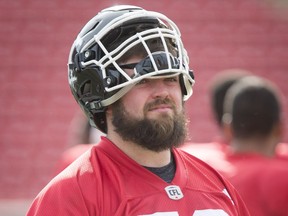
<point>106,182</point>
<point>71,155</point>
<point>262,183</point>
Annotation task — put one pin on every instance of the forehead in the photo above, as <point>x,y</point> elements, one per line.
<point>134,59</point>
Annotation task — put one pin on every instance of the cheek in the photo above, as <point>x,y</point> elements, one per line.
<point>134,104</point>
<point>134,107</point>
<point>178,99</point>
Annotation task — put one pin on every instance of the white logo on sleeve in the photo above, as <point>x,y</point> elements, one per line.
<point>227,194</point>
<point>174,192</point>
<point>210,212</point>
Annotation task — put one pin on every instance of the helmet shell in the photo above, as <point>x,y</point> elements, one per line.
<point>95,76</point>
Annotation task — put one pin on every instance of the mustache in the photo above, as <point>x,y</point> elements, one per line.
<point>159,101</point>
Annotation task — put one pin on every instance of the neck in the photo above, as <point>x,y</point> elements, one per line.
<point>265,146</point>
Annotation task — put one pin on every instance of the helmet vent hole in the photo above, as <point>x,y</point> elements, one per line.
<point>93,27</point>
<point>159,63</point>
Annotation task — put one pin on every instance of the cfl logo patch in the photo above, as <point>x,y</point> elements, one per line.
<point>174,192</point>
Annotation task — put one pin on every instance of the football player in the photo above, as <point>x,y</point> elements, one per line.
<point>252,118</point>
<point>129,72</point>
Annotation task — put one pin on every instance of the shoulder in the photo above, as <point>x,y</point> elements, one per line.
<point>192,160</point>
<point>200,170</point>
<point>71,154</point>
<point>69,188</point>
<point>203,177</point>
<point>276,171</point>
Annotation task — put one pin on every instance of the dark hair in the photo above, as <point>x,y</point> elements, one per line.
<point>218,88</point>
<point>254,106</point>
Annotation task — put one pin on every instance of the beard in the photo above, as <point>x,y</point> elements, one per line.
<point>158,134</point>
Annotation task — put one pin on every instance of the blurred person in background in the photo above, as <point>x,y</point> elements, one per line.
<point>80,131</point>
<point>81,138</point>
<point>253,122</point>
<point>129,72</point>
<point>214,152</point>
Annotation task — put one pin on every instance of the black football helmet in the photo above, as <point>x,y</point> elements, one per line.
<point>96,76</point>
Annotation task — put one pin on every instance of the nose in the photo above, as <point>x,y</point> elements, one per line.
<point>159,88</point>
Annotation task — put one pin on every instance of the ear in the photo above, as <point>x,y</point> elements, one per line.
<point>278,130</point>
<point>109,110</point>
<point>227,127</point>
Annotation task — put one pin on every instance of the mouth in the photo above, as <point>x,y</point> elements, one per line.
<point>160,108</point>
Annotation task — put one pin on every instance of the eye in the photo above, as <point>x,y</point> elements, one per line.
<point>172,79</point>
<point>142,82</point>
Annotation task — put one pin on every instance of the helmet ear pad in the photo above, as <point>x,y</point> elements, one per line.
<point>90,85</point>
<point>90,88</point>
